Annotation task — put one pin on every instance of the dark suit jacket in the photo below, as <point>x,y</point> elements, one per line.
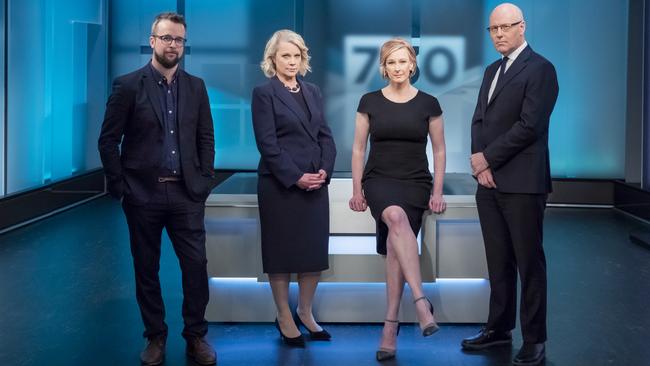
<point>290,144</point>
<point>131,139</point>
<point>512,129</point>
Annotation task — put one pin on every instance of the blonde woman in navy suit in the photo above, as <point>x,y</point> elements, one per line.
<point>296,161</point>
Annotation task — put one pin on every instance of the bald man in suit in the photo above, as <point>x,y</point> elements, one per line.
<point>510,160</point>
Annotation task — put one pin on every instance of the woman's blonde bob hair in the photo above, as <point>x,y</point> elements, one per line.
<point>284,35</point>
<point>391,46</point>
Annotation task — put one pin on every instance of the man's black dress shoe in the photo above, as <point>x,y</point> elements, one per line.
<point>154,351</point>
<point>200,351</point>
<point>487,338</point>
<point>530,354</point>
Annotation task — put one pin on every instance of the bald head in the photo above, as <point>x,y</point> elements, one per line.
<point>507,10</point>
<point>507,28</point>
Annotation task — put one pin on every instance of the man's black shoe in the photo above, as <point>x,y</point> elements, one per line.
<point>487,338</point>
<point>154,351</point>
<point>199,350</point>
<point>530,354</point>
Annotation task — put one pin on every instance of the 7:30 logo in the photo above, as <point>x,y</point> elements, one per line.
<point>440,61</point>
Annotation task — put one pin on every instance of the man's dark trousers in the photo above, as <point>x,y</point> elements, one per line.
<point>513,233</point>
<point>170,208</point>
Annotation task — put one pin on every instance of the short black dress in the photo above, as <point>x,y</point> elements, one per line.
<point>397,170</point>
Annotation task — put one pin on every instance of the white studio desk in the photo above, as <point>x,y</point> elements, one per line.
<point>452,260</point>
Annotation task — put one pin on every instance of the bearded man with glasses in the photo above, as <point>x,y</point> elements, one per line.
<point>157,149</point>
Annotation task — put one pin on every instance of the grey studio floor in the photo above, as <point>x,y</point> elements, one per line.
<point>67,298</point>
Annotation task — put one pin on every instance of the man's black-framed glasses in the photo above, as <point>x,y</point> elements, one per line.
<point>504,27</point>
<point>167,40</point>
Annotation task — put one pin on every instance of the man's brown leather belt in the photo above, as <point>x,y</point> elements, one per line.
<point>169,179</point>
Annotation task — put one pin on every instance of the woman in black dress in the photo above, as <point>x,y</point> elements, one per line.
<point>296,161</point>
<point>396,182</point>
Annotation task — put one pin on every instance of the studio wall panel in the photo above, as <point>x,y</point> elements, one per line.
<point>227,37</point>
<point>56,60</point>
<point>587,43</point>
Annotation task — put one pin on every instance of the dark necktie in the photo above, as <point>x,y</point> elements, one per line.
<point>502,70</point>
<point>504,62</point>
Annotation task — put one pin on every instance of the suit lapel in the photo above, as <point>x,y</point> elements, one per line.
<point>150,88</point>
<point>183,93</point>
<point>310,99</point>
<point>517,66</point>
<point>485,86</point>
<point>283,94</point>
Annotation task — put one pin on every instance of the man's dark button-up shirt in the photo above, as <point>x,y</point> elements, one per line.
<point>168,96</point>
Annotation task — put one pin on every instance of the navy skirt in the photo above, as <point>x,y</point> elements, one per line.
<point>295,227</point>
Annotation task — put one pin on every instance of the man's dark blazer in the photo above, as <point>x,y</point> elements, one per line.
<point>512,128</point>
<point>131,139</point>
<point>293,145</point>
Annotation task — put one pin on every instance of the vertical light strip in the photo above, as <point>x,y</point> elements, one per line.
<point>645,144</point>
<point>299,16</point>
<point>3,100</point>
<point>415,33</point>
<point>180,9</point>
<point>415,19</point>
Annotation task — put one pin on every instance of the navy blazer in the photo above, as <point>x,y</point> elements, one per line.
<point>131,139</point>
<point>290,144</point>
<point>512,129</point>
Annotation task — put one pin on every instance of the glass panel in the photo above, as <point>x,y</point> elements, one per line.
<point>587,132</point>
<point>57,60</point>
<point>345,56</point>
<point>130,27</point>
<point>451,68</point>
<point>228,39</point>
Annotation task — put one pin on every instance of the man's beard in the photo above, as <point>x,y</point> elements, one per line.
<point>165,62</point>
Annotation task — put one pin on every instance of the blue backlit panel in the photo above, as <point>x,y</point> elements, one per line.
<point>587,133</point>
<point>358,244</point>
<point>344,37</point>
<point>454,49</point>
<point>50,125</point>
<point>227,39</point>
<point>130,27</point>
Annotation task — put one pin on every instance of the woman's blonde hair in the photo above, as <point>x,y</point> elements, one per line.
<point>284,35</point>
<point>391,46</point>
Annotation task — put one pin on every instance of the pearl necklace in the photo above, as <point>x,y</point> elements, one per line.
<point>294,89</point>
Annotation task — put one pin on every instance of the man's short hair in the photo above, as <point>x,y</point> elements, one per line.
<point>171,16</point>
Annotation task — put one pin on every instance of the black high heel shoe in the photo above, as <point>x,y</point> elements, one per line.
<point>384,354</point>
<point>321,335</point>
<point>298,341</point>
<point>432,327</point>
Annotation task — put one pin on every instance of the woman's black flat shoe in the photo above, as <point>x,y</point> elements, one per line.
<point>298,341</point>
<point>321,335</point>
<point>430,328</point>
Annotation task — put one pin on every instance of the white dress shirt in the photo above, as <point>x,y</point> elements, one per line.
<point>511,58</point>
